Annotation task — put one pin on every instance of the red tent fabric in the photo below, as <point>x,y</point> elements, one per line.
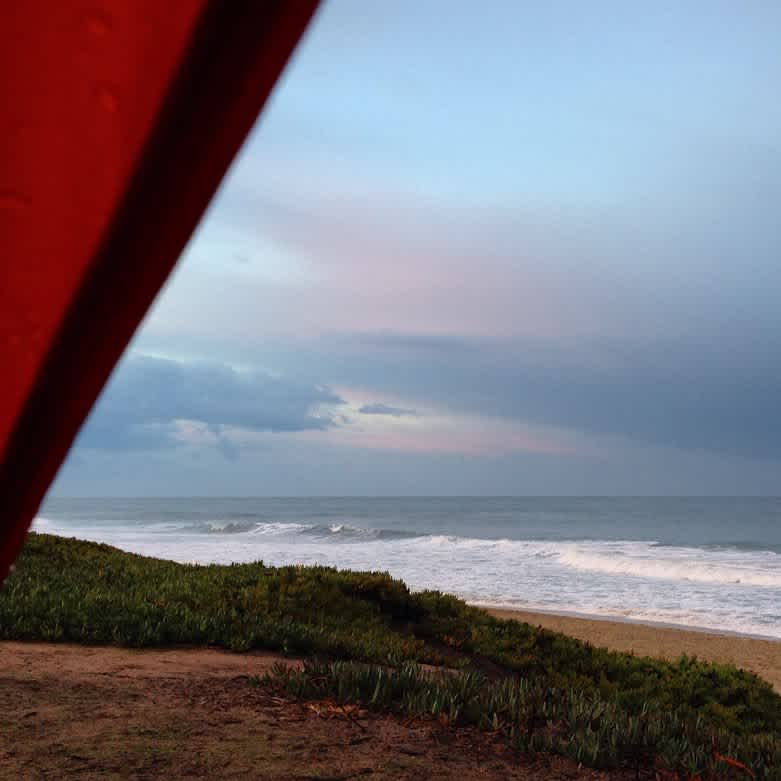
<point>118,119</point>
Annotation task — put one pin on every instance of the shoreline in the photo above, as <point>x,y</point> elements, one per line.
<point>611,619</point>
<point>759,655</point>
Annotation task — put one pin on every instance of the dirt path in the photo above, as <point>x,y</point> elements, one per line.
<point>107,713</point>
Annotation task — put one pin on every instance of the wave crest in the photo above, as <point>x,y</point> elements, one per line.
<point>680,564</point>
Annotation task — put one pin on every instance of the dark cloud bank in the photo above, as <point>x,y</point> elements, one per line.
<point>721,397</point>
<point>146,396</point>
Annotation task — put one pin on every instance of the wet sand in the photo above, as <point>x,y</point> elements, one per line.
<point>760,656</point>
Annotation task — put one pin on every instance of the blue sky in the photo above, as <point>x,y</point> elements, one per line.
<point>508,248</point>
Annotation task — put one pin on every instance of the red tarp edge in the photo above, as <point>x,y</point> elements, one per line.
<point>230,67</point>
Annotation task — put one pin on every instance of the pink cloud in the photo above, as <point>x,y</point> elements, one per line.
<point>370,260</point>
<point>432,431</point>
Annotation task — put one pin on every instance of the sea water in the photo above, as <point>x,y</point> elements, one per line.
<point>711,563</point>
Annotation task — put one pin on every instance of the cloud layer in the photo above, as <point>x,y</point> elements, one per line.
<point>154,402</point>
<point>378,408</point>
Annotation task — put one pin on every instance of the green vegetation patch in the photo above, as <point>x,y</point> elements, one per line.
<point>535,716</point>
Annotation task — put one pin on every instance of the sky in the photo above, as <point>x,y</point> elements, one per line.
<point>497,248</point>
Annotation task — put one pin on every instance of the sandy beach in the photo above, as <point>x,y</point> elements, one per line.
<point>760,656</point>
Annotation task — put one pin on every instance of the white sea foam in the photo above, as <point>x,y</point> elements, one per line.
<point>278,528</point>
<point>41,524</point>
<point>676,564</point>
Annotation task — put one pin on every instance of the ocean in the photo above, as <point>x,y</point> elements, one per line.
<point>711,563</point>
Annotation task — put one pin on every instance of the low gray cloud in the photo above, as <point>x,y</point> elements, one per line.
<point>146,396</point>
<point>387,409</point>
<point>720,397</point>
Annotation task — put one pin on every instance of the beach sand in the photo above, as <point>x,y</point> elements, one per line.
<point>760,656</point>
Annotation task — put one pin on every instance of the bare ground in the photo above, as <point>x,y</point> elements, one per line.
<point>109,713</point>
